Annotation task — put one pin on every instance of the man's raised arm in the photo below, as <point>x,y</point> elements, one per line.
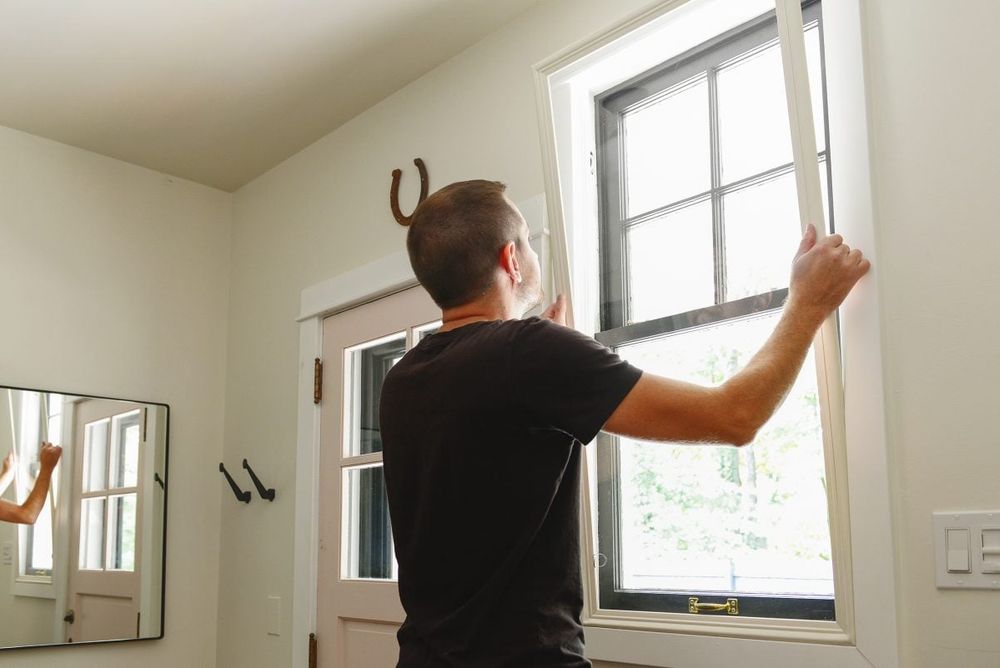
<point>662,409</point>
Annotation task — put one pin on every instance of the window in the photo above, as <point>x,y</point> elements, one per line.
<point>699,219</point>
<point>38,417</point>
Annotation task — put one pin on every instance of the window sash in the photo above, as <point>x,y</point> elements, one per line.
<point>642,90</point>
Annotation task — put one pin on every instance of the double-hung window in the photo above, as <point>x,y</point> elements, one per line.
<point>698,224</point>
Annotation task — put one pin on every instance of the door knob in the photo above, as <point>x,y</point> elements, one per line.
<point>70,617</point>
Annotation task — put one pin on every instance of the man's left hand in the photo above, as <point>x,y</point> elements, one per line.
<point>557,311</point>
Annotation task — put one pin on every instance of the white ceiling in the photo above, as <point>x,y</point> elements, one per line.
<point>218,91</point>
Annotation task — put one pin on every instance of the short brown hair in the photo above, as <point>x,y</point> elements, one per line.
<point>455,239</point>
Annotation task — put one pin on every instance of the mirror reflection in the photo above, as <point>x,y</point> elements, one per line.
<point>82,502</point>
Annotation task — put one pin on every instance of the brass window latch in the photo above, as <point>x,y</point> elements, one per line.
<point>730,607</point>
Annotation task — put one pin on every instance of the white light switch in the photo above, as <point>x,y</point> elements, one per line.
<point>991,550</point>
<point>274,615</point>
<point>958,551</point>
<point>8,554</point>
<point>967,549</point>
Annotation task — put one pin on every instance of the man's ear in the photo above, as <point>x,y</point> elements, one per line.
<point>509,263</point>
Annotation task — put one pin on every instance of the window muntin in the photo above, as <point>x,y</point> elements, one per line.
<point>671,267</point>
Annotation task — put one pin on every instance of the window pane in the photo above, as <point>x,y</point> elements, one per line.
<point>95,456</point>
<point>671,264</point>
<point>367,535</point>
<point>367,367</point>
<point>92,534</point>
<point>121,533</point>
<point>55,403</point>
<point>41,543</point>
<point>54,429</point>
<point>754,135</point>
<point>125,450</point>
<point>710,518</point>
<point>667,150</point>
<point>29,438</point>
<point>762,234</point>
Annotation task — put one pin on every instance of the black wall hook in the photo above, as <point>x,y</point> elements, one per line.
<point>264,493</point>
<point>240,494</point>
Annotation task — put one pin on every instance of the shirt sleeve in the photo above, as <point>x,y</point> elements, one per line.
<point>565,380</point>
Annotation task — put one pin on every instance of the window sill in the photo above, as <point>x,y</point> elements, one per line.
<point>33,586</point>
<point>828,633</point>
<point>710,649</point>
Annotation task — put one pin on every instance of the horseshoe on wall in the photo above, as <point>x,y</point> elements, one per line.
<point>394,191</point>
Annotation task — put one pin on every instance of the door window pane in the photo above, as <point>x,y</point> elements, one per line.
<point>421,333</point>
<point>367,534</point>
<point>667,156</point>
<point>125,450</point>
<point>671,265</point>
<point>366,368</point>
<point>92,513</point>
<point>750,520</point>
<point>121,533</point>
<point>95,456</point>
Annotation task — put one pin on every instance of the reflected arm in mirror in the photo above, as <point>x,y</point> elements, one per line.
<point>27,512</point>
<point>7,469</point>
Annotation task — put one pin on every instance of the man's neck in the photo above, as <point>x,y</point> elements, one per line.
<point>491,308</point>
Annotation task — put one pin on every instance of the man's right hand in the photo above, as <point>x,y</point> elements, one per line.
<point>49,456</point>
<point>823,273</point>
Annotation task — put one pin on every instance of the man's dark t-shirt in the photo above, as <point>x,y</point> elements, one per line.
<point>481,430</point>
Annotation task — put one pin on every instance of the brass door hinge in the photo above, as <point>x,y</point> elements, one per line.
<point>317,381</point>
<point>731,606</point>
<point>312,650</point>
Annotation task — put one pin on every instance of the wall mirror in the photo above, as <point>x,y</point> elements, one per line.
<point>81,536</point>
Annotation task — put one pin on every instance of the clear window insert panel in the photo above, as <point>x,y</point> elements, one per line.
<point>699,222</point>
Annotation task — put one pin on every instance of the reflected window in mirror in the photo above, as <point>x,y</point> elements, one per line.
<point>36,417</point>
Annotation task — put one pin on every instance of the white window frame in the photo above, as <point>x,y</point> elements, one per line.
<point>865,632</point>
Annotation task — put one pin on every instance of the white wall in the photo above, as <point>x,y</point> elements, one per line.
<point>326,210</point>
<point>936,103</point>
<point>114,281</point>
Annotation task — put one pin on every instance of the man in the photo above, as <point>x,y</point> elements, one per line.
<point>483,424</point>
<point>27,512</point>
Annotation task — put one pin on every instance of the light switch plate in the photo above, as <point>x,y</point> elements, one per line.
<point>981,560</point>
<point>274,615</point>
